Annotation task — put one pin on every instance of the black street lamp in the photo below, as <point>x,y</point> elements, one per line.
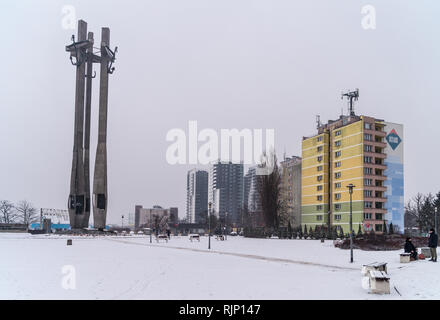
<point>226,226</point>
<point>435,220</point>
<point>209,225</point>
<point>350,190</point>
<point>122,221</point>
<point>151,230</point>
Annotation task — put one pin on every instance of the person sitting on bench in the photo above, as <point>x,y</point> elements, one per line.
<point>410,248</point>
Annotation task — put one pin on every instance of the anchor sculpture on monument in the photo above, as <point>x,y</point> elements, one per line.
<point>82,56</point>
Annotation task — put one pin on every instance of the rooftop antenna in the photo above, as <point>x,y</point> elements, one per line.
<point>318,121</point>
<point>351,95</point>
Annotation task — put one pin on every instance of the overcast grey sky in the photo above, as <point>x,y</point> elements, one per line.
<point>225,63</point>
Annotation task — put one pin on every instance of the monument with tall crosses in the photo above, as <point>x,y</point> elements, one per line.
<point>82,56</point>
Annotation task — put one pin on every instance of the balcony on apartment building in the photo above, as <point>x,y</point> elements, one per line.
<point>374,197</point>
<point>378,143</point>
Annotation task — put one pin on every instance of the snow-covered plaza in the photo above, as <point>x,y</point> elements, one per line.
<point>129,267</point>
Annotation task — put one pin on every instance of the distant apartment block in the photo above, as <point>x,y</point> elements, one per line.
<point>291,188</point>
<point>361,150</point>
<point>226,190</point>
<point>196,195</point>
<point>164,218</point>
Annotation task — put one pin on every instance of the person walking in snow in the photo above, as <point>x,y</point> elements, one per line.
<point>432,244</point>
<point>410,248</point>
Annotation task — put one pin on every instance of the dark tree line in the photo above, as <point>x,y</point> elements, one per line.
<point>273,209</point>
<point>420,211</point>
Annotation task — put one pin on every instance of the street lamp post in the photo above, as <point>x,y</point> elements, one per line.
<point>122,221</point>
<point>435,220</point>
<point>209,225</point>
<point>226,226</point>
<point>151,230</point>
<point>350,190</point>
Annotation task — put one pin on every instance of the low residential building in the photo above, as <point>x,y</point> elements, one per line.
<point>164,218</point>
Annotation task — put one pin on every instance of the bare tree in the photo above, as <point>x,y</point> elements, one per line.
<point>26,212</point>
<point>270,191</point>
<point>7,211</point>
<point>413,212</point>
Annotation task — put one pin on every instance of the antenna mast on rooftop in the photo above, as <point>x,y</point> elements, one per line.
<point>318,121</point>
<point>351,96</point>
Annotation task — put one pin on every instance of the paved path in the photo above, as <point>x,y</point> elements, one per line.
<point>242,255</point>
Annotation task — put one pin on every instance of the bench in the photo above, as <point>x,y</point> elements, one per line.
<point>220,237</point>
<point>379,282</point>
<point>162,237</point>
<point>69,242</point>
<point>375,266</point>
<point>194,237</point>
<point>405,257</point>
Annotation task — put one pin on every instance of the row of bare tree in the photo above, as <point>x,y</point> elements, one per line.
<point>420,211</point>
<point>22,212</point>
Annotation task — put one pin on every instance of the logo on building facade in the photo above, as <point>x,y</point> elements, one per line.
<point>393,139</point>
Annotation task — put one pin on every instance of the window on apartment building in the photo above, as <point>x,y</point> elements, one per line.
<point>318,208</point>
<point>337,196</point>
<point>368,159</point>
<point>319,188</point>
<point>368,137</point>
<point>319,178</point>
<point>368,126</point>
<point>337,175</point>
<point>337,154</point>
<point>368,204</point>
<point>368,170</point>
<point>338,206</point>
<point>368,182</point>
<point>338,143</point>
<point>368,193</point>
<point>379,205</point>
<point>337,185</point>
<point>368,148</point>
<point>319,158</point>
<point>337,164</point>
<point>338,133</point>
<point>379,216</point>
<point>319,217</point>
<point>378,227</point>
<point>367,216</point>
<point>319,168</point>
<point>337,217</point>
<point>319,198</point>
<point>319,148</point>
<point>319,139</point>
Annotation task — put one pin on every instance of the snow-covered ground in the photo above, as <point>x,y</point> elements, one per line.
<point>130,267</point>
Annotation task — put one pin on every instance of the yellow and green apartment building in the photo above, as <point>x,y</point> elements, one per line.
<point>348,150</point>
